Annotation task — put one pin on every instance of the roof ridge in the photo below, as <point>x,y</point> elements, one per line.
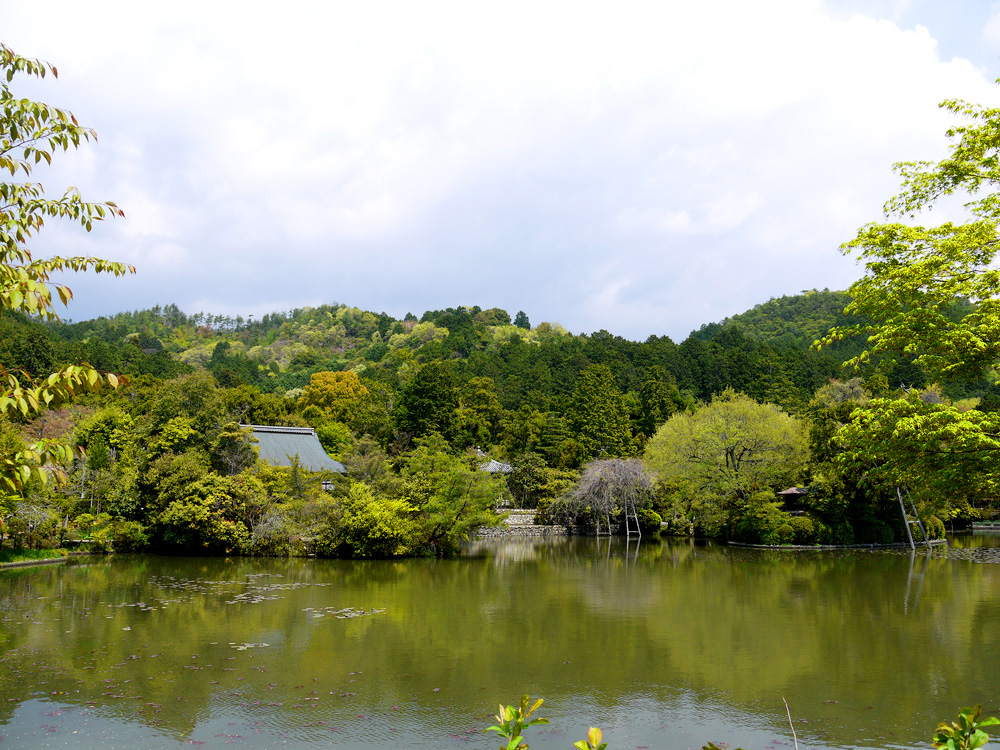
<point>280,428</point>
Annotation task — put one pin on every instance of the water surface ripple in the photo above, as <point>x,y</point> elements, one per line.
<point>663,645</point>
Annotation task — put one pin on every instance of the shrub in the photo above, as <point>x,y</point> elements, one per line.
<point>804,528</point>
<point>935,527</point>
<point>371,526</point>
<point>759,524</point>
<point>129,536</point>
<point>786,533</point>
<point>649,521</point>
<point>874,532</point>
<point>840,533</point>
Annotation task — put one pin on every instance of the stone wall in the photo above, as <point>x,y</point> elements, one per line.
<point>520,523</point>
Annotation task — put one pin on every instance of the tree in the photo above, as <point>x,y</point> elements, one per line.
<point>373,526</point>
<point>943,456</point>
<point>521,320</point>
<point>658,399</point>
<point>428,402</point>
<point>608,490</point>
<point>916,276</point>
<point>452,498</point>
<point>479,416</point>
<point>729,450</point>
<point>931,296</point>
<point>336,393</point>
<point>598,415</point>
<point>232,450</point>
<point>31,133</point>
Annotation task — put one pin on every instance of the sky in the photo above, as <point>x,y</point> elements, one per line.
<point>639,167</point>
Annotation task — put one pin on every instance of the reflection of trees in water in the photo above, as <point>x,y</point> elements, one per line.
<point>553,617</point>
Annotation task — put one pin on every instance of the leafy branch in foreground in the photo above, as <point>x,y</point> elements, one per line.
<point>35,462</point>
<point>965,734</point>
<point>930,297</point>
<point>31,132</point>
<point>513,720</point>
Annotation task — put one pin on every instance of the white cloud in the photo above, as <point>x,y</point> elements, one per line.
<point>694,159</point>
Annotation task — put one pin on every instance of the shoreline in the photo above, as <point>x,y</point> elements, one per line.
<point>801,547</point>
<point>42,561</point>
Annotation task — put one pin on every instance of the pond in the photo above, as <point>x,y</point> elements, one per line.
<point>663,645</point>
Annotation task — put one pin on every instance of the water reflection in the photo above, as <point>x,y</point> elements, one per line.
<point>664,645</point>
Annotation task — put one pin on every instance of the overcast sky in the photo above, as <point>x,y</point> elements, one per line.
<point>642,167</point>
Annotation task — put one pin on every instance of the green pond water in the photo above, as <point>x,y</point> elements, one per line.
<point>663,645</point>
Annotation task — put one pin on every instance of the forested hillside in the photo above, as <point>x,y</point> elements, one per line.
<point>796,320</point>
<point>531,367</point>
<point>390,396</point>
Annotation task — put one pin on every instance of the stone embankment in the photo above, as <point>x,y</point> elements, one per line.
<point>520,523</point>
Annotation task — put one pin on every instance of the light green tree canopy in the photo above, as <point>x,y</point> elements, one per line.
<point>30,133</point>
<point>730,448</point>
<point>916,275</point>
<point>917,280</point>
<point>943,455</point>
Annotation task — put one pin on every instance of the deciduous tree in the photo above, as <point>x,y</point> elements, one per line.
<point>931,295</point>
<point>730,449</point>
<point>32,132</point>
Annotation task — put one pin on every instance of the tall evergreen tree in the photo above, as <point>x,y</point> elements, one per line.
<point>598,414</point>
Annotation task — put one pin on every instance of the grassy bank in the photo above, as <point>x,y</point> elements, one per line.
<point>9,556</point>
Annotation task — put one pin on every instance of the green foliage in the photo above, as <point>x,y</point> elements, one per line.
<point>428,402</point>
<point>649,521</point>
<point>792,320</point>
<point>966,733</point>
<point>194,525</point>
<point>33,132</point>
<point>214,515</point>
<point>804,530</point>
<point>916,275</point>
<point>336,394</point>
<point>169,476</point>
<point>942,455</point>
<point>512,721</point>
<point>232,449</point>
<point>128,536</point>
<point>598,415</point>
<point>593,741</point>
<point>934,527</point>
<point>452,497</point>
<point>335,437</point>
<point>373,526</point>
<point>658,399</point>
<point>24,555</point>
<point>729,450</point>
<point>761,522</point>
<point>930,303</point>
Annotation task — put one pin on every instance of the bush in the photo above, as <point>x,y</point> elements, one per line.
<point>129,536</point>
<point>840,533</point>
<point>935,527</point>
<point>760,523</point>
<point>370,526</point>
<point>786,533</point>
<point>804,528</point>
<point>649,521</point>
<point>874,532</point>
